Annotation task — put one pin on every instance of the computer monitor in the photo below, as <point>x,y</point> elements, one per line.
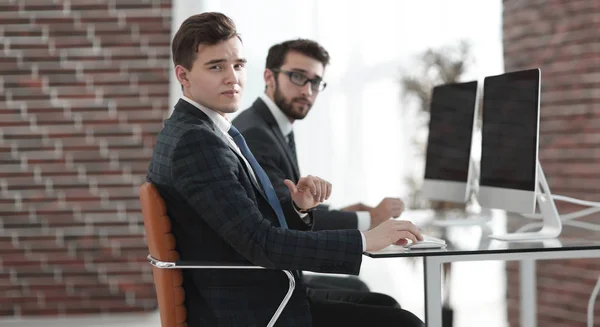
<point>448,154</point>
<point>509,141</point>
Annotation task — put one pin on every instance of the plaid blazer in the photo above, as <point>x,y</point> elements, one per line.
<point>219,213</point>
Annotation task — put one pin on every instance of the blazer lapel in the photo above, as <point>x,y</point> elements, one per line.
<point>190,109</point>
<point>240,157</point>
<point>265,113</point>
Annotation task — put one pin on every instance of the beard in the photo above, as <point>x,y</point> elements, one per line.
<point>287,106</point>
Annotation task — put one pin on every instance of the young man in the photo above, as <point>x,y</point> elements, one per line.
<point>294,78</point>
<point>223,208</point>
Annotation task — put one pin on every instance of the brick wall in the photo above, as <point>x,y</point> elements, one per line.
<point>83,92</point>
<point>561,37</point>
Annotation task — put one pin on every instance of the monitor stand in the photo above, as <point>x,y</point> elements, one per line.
<point>552,225</point>
<point>468,219</point>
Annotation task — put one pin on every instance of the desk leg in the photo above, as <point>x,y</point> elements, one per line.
<point>433,291</point>
<point>528,293</point>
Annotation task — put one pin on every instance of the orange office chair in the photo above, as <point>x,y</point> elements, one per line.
<point>166,264</point>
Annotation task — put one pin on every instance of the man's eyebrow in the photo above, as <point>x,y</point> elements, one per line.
<point>218,61</point>
<point>214,61</point>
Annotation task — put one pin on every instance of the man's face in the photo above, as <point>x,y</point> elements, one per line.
<point>294,100</point>
<point>217,77</point>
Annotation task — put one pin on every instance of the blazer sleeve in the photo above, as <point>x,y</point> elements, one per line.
<point>205,173</point>
<point>334,219</point>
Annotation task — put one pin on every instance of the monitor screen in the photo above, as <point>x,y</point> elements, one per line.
<point>509,145</point>
<point>450,131</point>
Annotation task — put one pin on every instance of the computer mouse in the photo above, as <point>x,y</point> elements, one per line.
<point>426,244</point>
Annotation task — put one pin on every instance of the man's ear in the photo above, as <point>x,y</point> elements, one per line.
<point>182,75</point>
<point>269,78</point>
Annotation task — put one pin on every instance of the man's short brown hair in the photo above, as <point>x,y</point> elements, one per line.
<point>207,28</point>
<point>309,48</point>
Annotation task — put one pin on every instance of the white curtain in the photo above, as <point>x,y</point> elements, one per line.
<point>356,135</point>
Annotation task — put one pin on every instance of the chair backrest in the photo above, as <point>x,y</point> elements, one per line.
<point>161,244</point>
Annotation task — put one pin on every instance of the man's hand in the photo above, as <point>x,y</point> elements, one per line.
<point>386,209</point>
<point>391,231</point>
<point>309,192</point>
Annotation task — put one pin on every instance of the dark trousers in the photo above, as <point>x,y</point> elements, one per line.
<point>335,282</point>
<point>346,301</point>
<point>345,289</point>
<point>348,296</point>
<point>327,313</point>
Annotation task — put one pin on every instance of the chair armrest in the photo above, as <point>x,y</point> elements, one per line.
<point>183,264</point>
<point>180,264</point>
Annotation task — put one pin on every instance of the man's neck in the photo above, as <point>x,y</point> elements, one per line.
<point>189,97</point>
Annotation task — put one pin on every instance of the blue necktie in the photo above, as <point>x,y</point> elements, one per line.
<point>260,174</point>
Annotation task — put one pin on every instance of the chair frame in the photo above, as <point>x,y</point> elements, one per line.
<point>203,265</point>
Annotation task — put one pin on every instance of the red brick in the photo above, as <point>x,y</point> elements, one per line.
<point>9,18</point>
<point>82,54</point>
<point>101,79</point>
<point>8,286</point>
<point>98,5</point>
<point>60,220</point>
<point>159,40</point>
<point>20,72</point>
<point>18,259</point>
<point>17,299</point>
<point>7,247</point>
<point>47,68</point>
<point>9,7</point>
<point>94,67</point>
<point>145,28</point>
<point>124,64</point>
<point>60,30</point>
<point>13,120</point>
<point>72,42</point>
<point>567,53</point>
<point>66,130</point>
<point>160,77</point>
<point>74,92</point>
<point>110,28</point>
<point>119,91</point>
<point>89,106</point>
<point>53,19</point>
<point>129,4</point>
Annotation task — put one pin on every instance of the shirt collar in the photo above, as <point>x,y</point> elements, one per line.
<point>222,123</point>
<point>282,120</point>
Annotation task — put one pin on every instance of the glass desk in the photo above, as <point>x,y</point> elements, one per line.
<point>563,247</point>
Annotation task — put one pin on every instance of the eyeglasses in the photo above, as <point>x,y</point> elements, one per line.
<point>316,84</point>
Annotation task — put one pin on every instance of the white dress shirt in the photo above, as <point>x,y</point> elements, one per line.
<point>363,218</point>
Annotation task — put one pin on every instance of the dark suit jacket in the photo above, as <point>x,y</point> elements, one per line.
<point>218,213</point>
<point>271,150</point>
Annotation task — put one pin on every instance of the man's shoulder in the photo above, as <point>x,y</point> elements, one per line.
<point>178,130</point>
<point>247,119</point>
